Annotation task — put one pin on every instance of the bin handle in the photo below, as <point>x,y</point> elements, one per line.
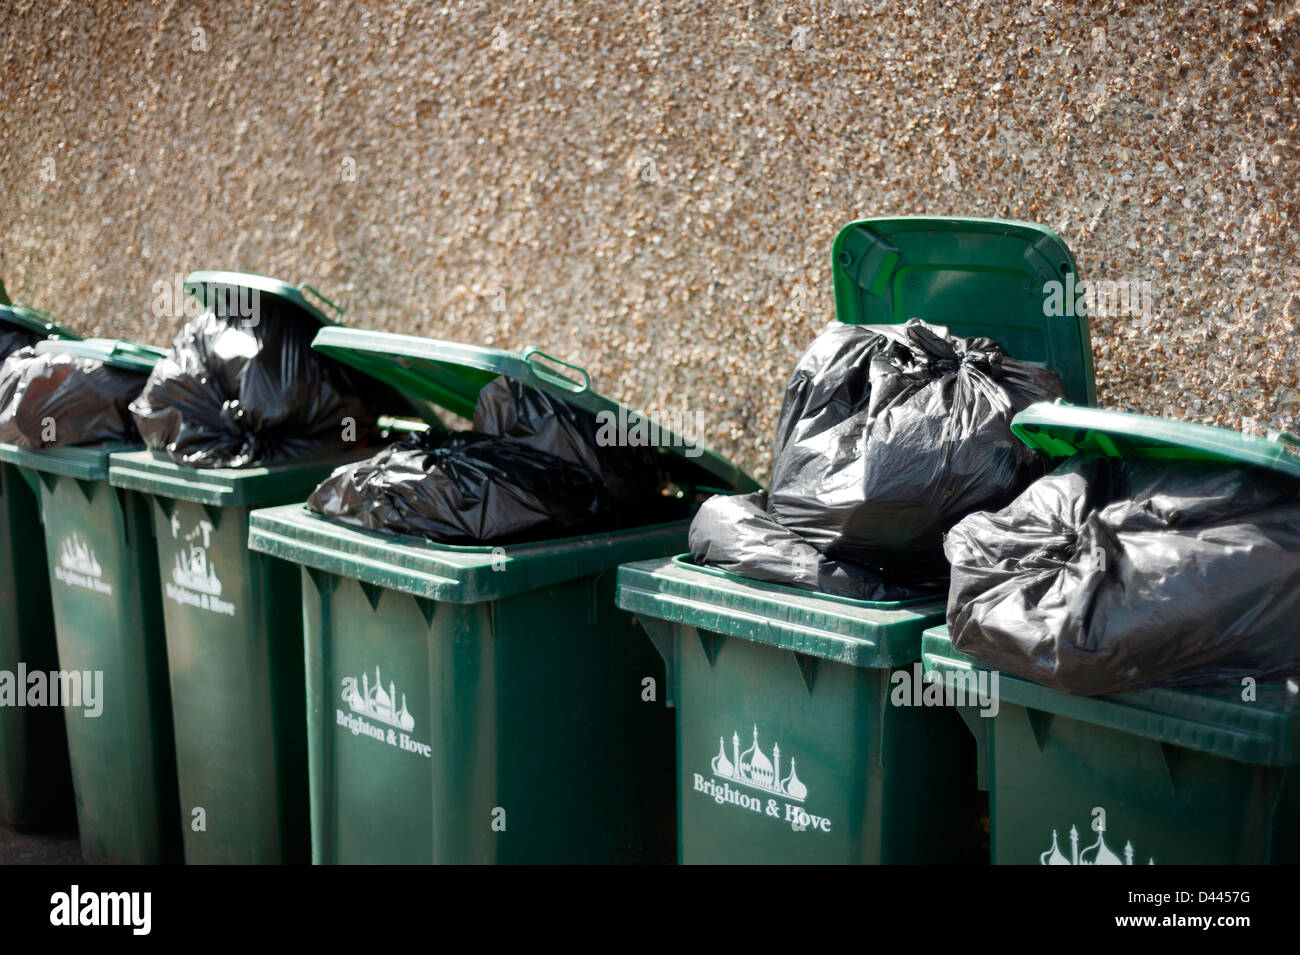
<point>533,356</point>
<point>338,309</point>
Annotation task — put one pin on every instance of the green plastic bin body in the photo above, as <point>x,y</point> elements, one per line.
<point>482,704</point>
<point>1163,777</point>
<point>35,780</point>
<point>234,645</point>
<point>791,747</point>
<point>103,583</point>
<point>1170,776</point>
<point>835,683</point>
<point>478,705</point>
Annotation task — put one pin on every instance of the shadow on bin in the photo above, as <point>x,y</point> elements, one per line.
<point>35,778</point>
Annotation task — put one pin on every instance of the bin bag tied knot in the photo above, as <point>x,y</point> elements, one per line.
<point>887,436</point>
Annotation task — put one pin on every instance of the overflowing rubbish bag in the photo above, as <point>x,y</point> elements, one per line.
<point>1112,574</point>
<point>532,468</point>
<point>736,533</point>
<point>52,399</point>
<point>234,393</point>
<point>887,436</point>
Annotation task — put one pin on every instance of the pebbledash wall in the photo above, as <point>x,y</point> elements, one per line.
<point>651,189</point>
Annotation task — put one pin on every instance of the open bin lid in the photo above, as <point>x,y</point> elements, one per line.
<point>1061,430</point>
<point>451,374</point>
<point>129,356</point>
<point>208,286</point>
<point>978,277</point>
<point>35,320</point>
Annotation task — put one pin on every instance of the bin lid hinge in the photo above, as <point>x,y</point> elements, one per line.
<point>868,258</point>
<point>1046,258</point>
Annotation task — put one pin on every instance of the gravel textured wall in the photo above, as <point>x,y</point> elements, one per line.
<point>652,189</point>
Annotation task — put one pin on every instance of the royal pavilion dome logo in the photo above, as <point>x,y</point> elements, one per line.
<point>374,701</point>
<point>191,569</point>
<point>753,768</point>
<point>75,555</point>
<point>1099,853</point>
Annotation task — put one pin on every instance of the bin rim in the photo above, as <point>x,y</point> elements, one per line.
<point>808,623</point>
<point>87,462</point>
<point>1060,430</point>
<point>452,573</point>
<point>884,274</point>
<point>151,471</point>
<point>451,374</point>
<point>686,561</point>
<point>1211,719</point>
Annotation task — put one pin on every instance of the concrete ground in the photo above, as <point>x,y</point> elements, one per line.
<point>39,848</point>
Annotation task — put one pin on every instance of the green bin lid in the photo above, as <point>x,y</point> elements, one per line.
<point>207,285</point>
<point>978,277</point>
<point>35,320</point>
<point>114,352</point>
<point>451,374</point>
<point>1060,430</point>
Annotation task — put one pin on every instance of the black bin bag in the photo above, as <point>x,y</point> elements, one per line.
<point>532,469</point>
<point>233,393</point>
<point>13,337</point>
<point>887,436</point>
<point>736,533</point>
<point>51,399</point>
<point>1113,574</point>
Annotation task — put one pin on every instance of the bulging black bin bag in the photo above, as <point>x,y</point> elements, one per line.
<point>463,488</point>
<point>1111,575</point>
<point>235,393</point>
<point>533,471</point>
<point>507,408</point>
<point>890,434</point>
<point>887,436</point>
<point>735,533</point>
<point>50,400</point>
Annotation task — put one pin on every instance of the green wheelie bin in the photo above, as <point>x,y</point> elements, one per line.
<point>104,589</point>
<point>35,781</point>
<point>799,737</point>
<point>480,704</point>
<point>233,623</point>
<point>1165,776</point>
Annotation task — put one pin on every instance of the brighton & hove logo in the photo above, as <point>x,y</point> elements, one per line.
<point>370,701</point>
<point>754,770</point>
<point>78,567</point>
<point>194,580</point>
